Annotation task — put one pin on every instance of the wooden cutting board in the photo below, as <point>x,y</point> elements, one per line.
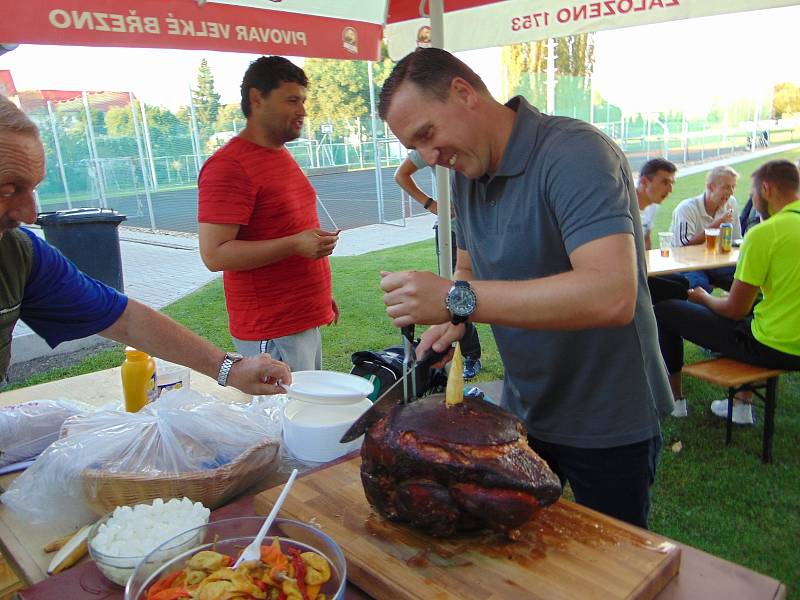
<point>569,552</point>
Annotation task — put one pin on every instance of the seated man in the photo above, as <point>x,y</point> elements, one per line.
<point>770,337</point>
<point>59,302</point>
<point>470,343</point>
<point>656,178</point>
<point>710,209</point>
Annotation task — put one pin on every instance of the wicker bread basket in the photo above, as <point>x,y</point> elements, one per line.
<point>105,490</point>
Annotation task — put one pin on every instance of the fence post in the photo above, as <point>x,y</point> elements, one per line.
<point>99,175</point>
<point>57,144</point>
<point>142,165</point>
<point>149,148</point>
<point>378,180</point>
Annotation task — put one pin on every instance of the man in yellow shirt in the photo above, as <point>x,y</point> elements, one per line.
<point>770,337</point>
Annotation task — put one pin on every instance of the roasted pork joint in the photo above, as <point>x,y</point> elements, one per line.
<point>452,468</point>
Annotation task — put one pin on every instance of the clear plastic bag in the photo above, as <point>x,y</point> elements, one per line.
<point>183,435</point>
<point>28,428</point>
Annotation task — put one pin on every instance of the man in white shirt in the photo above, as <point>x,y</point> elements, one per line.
<point>656,178</point>
<point>715,206</point>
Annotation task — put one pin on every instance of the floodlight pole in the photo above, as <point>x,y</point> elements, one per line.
<point>142,165</point>
<point>149,147</point>
<point>101,186</point>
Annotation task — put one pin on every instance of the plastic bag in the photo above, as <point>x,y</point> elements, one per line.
<point>27,429</point>
<point>183,432</point>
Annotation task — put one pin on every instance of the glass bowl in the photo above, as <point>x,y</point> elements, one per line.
<point>119,568</point>
<point>231,536</point>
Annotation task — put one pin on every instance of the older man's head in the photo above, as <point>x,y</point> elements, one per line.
<point>21,166</point>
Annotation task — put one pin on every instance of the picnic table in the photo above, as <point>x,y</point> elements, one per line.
<point>688,258</point>
<point>701,575</point>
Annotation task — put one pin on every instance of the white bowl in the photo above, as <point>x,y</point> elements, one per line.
<point>328,387</point>
<point>312,431</point>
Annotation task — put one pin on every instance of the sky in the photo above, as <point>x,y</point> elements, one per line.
<point>683,65</point>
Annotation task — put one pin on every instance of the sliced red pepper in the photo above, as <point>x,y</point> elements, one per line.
<point>162,584</point>
<point>171,594</point>
<point>299,571</point>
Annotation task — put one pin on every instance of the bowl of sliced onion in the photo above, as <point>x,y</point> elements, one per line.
<point>297,560</point>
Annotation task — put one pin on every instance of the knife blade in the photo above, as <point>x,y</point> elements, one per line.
<point>391,397</point>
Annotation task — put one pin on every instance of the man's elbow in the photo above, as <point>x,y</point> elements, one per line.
<point>211,262</point>
<point>619,312</point>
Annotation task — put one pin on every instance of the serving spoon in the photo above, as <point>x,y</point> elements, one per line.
<point>253,550</point>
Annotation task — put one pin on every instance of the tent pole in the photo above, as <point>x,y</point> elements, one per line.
<point>442,175</point>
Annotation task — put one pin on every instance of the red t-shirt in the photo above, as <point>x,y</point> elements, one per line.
<point>264,191</point>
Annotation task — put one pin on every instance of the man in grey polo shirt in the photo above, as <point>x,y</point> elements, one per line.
<point>551,253</point>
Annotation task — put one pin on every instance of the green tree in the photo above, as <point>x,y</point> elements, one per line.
<point>205,100</point>
<point>118,122</point>
<point>525,66</point>
<point>230,118</point>
<point>338,92</point>
<point>785,100</point>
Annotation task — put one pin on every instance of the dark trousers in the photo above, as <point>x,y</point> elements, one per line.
<point>678,320</point>
<point>668,287</point>
<point>613,481</point>
<point>470,343</point>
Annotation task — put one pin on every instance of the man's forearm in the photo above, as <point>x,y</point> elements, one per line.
<point>570,301</point>
<point>242,255</point>
<point>148,330</point>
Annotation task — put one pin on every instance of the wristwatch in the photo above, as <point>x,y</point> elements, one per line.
<point>461,302</point>
<point>225,367</point>
<point>428,203</point>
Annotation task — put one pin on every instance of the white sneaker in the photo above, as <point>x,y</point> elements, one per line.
<point>680,411</point>
<point>742,412</point>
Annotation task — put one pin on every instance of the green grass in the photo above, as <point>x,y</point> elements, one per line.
<point>719,499</point>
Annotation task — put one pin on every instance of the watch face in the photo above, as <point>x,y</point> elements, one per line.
<point>461,300</point>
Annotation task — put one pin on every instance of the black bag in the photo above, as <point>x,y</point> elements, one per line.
<point>384,367</point>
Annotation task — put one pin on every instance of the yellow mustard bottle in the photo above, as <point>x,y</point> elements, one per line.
<point>138,379</point>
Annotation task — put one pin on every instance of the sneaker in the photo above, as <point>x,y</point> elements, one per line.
<point>742,412</point>
<point>680,411</point>
<point>472,366</point>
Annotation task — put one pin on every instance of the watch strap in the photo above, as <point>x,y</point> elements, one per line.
<point>428,203</point>
<point>225,367</point>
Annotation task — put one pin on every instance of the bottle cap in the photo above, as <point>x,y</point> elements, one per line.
<point>134,354</point>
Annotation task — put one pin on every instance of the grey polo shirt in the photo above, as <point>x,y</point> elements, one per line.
<point>561,184</point>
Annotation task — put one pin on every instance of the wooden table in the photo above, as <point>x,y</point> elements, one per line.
<point>688,258</point>
<point>701,575</point>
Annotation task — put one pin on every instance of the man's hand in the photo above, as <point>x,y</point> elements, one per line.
<point>698,295</point>
<point>440,338</point>
<point>315,243</point>
<point>335,312</point>
<point>415,297</point>
<point>260,375</point>
<point>726,217</point>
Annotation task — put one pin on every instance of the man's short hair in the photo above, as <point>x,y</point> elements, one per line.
<point>654,165</point>
<point>783,174</point>
<point>717,173</point>
<point>431,70</point>
<point>267,73</point>
<point>14,120</point>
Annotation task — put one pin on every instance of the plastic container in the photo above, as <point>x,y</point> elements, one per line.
<point>171,376</point>
<point>322,406</point>
<point>88,237</point>
<point>138,379</point>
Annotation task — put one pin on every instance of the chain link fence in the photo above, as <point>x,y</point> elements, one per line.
<point>110,150</point>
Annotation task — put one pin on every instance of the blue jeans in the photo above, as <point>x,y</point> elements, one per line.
<point>614,481</point>
<point>711,278</point>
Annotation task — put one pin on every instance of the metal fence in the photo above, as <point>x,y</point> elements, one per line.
<point>144,161</point>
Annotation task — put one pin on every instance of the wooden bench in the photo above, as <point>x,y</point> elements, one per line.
<point>740,377</point>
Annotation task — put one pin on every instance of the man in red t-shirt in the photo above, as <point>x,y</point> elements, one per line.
<point>259,224</point>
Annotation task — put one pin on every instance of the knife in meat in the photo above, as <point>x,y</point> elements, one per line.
<point>391,397</point>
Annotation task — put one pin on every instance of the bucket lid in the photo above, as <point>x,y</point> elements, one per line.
<point>80,215</point>
<point>328,387</point>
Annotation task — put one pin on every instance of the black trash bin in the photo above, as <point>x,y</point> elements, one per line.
<point>89,238</point>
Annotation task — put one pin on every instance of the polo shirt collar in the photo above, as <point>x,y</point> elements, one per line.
<point>522,140</point>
